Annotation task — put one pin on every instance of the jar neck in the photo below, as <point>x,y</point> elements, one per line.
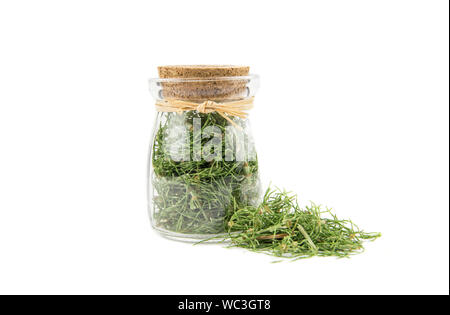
<point>201,90</point>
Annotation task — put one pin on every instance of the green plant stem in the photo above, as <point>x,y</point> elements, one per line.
<point>280,227</point>
<point>196,196</point>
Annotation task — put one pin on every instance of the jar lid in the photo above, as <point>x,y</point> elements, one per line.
<point>202,71</point>
<point>204,82</point>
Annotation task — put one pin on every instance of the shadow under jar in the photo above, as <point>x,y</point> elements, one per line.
<point>202,163</point>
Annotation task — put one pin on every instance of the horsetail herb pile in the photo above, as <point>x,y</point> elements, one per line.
<point>280,227</point>
<point>198,194</point>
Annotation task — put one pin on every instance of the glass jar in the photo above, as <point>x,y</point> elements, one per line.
<point>202,163</point>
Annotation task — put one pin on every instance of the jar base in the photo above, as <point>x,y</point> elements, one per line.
<point>191,238</point>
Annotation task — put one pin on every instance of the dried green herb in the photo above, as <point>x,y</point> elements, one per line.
<point>280,227</point>
<point>194,195</point>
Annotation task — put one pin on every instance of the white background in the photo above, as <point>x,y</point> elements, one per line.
<point>352,113</point>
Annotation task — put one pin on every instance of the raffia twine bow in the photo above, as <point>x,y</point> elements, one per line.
<point>233,108</point>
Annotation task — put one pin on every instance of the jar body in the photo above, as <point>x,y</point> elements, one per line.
<point>202,167</point>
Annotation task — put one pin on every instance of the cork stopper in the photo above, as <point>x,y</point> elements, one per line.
<point>204,82</point>
<point>202,71</point>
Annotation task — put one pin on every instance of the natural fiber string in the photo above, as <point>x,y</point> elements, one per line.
<point>233,108</point>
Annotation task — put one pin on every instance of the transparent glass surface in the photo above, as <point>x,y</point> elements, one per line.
<point>202,167</point>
